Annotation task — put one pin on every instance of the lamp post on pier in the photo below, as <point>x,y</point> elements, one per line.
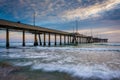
<point>35,34</point>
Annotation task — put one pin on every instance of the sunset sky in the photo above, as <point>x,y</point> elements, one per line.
<point>102,16</point>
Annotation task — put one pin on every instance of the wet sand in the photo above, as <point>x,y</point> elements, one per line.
<point>9,72</point>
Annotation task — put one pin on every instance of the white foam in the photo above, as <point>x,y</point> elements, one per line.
<point>75,61</point>
<point>80,71</point>
<point>22,63</point>
<point>52,53</point>
<point>78,49</point>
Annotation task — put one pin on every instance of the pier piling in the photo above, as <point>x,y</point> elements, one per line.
<point>49,39</point>
<point>79,39</point>
<point>60,40</point>
<point>68,39</point>
<point>35,40</point>
<point>7,38</point>
<point>44,43</point>
<point>64,39</point>
<point>23,38</point>
<point>55,40</point>
<point>40,40</point>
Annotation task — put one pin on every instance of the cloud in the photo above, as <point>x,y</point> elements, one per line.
<point>90,11</point>
<point>46,10</point>
<point>55,10</point>
<point>100,31</point>
<point>111,32</point>
<point>22,2</point>
<point>79,1</point>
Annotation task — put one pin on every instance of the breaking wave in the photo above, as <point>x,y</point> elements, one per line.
<point>96,63</point>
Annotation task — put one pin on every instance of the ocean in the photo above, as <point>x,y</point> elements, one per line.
<point>94,61</point>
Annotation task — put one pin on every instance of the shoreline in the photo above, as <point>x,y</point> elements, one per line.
<point>10,72</point>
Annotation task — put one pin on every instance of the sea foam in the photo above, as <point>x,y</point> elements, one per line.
<point>83,62</point>
<point>81,71</point>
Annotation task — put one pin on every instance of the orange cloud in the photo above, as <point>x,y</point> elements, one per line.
<point>111,32</point>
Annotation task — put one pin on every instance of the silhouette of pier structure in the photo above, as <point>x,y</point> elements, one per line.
<point>69,38</point>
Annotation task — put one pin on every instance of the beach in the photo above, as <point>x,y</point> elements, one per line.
<point>9,72</point>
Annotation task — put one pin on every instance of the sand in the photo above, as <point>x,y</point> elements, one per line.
<point>10,72</point>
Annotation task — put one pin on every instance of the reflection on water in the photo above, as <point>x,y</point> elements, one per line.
<point>85,60</point>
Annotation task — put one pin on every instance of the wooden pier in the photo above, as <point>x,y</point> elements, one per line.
<point>69,38</point>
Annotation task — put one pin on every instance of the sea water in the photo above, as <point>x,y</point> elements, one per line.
<point>95,60</point>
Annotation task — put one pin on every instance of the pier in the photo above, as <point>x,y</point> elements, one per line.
<point>66,37</point>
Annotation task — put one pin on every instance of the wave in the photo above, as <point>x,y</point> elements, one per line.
<point>72,60</point>
<point>42,52</point>
<point>108,44</point>
<point>79,49</point>
<point>97,71</point>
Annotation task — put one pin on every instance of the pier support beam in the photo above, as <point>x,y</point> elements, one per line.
<point>35,40</point>
<point>82,39</point>
<point>68,39</point>
<point>7,38</point>
<point>44,43</point>
<point>79,39</point>
<point>60,40</point>
<point>85,40</point>
<point>88,40</point>
<point>23,38</point>
<point>76,39</point>
<point>55,40</point>
<point>64,39</point>
<point>40,40</point>
<point>49,39</point>
<point>72,40</point>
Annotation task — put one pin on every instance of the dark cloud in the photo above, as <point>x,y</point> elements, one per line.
<point>86,3</point>
<point>112,14</point>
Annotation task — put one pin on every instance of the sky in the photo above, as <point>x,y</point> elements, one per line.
<point>102,17</point>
